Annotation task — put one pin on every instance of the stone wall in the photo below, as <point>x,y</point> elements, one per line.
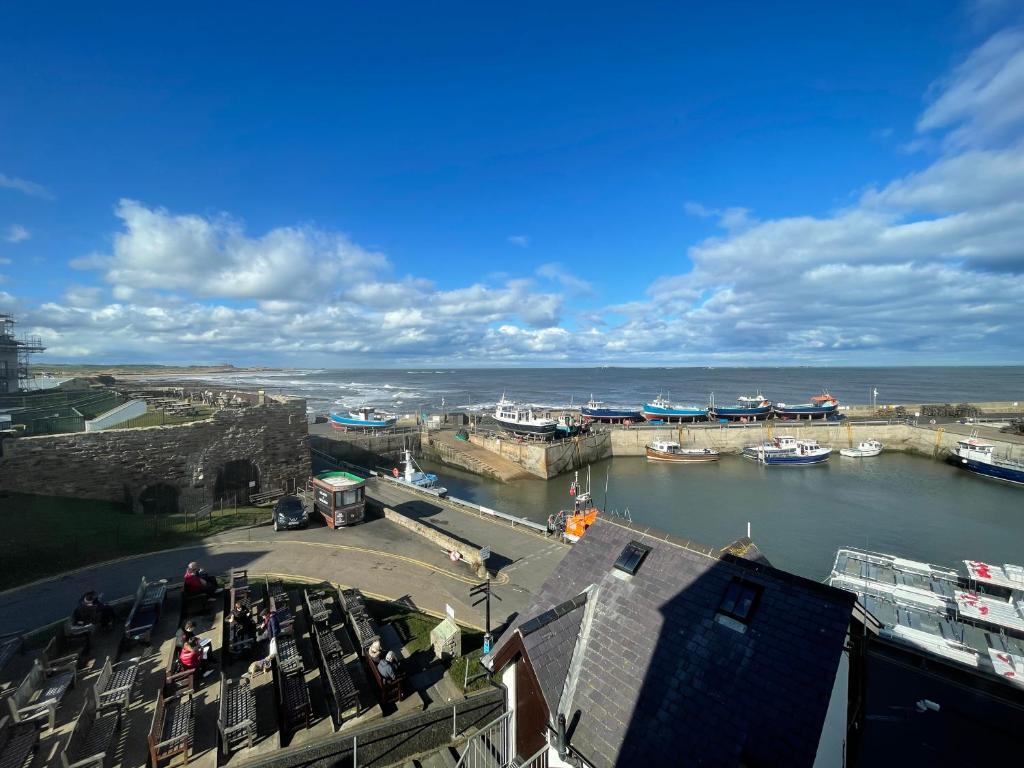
<point>118,464</point>
<point>546,460</point>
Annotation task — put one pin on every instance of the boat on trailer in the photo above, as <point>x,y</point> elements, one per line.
<point>979,458</point>
<point>747,408</point>
<point>864,449</point>
<point>595,410</point>
<point>821,406</point>
<point>364,417</point>
<point>662,409</point>
<point>571,524</point>
<point>671,451</point>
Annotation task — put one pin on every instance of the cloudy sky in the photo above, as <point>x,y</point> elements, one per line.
<point>366,185</point>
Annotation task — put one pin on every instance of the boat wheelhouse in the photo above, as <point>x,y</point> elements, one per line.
<point>671,451</point>
<point>365,417</point>
<point>662,409</point>
<point>747,408</point>
<point>821,406</point>
<point>979,458</point>
<point>521,420</point>
<point>595,410</point>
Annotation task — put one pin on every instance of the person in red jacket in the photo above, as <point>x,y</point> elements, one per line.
<point>190,656</point>
<point>198,581</point>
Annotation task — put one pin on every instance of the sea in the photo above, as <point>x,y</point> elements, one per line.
<point>451,389</point>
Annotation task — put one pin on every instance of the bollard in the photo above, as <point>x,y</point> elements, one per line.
<point>454,710</point>
<point>355,754</point>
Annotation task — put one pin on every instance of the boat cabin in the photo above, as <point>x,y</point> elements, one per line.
<point>975,450</point>
<point>785,443</point>
<point>758,401</point>
<point>339,497</point>
<point>807,446</point>
<point>666,446</point>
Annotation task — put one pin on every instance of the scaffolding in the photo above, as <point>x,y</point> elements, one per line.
<point>14,355</point>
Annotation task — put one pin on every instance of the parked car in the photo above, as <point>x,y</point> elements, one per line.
<point>289,512</point>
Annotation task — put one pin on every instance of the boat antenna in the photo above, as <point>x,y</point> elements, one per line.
<point>607,472</point>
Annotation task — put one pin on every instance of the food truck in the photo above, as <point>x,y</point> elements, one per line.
<point>339,497</point>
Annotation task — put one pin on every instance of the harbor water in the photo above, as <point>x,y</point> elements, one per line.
<point>896,503</point>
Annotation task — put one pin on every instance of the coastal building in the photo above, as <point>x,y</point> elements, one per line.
<point>14,355</point>
<point>646,649</point>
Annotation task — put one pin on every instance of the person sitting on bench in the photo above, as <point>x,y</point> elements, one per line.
<point>388,667</point>
<point>194,656</point>
<point>186,632</point>
<point>198,581</point>
<point>241,627</point>
<point>92,610</point>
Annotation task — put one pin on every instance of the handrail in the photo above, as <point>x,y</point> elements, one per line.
<point>490,747</point>
<point>538,760</point>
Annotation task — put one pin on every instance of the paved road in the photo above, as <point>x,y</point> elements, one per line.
<point>379,557</point>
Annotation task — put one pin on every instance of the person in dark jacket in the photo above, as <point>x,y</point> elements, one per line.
<point>186,632</point>
<point>92,610</point>
<point>270,627</point>
<point>388,666</point>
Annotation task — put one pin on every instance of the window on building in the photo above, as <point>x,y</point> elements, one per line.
<point>740,600</point>
<point>632,555</point>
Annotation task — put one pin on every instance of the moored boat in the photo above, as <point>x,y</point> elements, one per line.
<point>668,450</point>
<point>979,458</point>
<point>662,409</point>
<point>365,417</point>
<point>522,420</point>
<point>821,406</point>
<point>571,524</point>
<point>787,451</point>
<point>747,408</point>
<point>863,450</point>
<point>412,475</point>
<point>595,410</point>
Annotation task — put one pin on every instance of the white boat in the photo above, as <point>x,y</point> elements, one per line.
<point>417,478</point>
<point>669,450</point>
<point>520,420</point>
<point>865,449</point>
<point>788,451</point>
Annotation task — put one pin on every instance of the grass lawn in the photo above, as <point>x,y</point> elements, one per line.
<point>46,535</point>
<point>154,418</point>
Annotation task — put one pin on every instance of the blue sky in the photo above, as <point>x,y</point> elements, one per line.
<point>366,184</point>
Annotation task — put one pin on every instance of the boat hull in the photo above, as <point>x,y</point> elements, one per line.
<point>735,414</point>
<point>610,414</point>
<point>349,423</point>
<point>532,430</point>
<point>656,413</point>
<point>856,453</point>
<point>805,411</point>
<point>785,459</point>
<point>681,458</point>
<point>991,471</point>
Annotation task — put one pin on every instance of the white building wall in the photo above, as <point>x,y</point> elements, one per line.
<point>832,744</point>
<point>124,412</point>
<point>508,679</point>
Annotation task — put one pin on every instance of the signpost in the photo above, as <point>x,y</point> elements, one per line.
<point>483,594</point>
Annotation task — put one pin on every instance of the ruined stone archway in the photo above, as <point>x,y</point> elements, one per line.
<point>159,499</point>
<point>236,481</point>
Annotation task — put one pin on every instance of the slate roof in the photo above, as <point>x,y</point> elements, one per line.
<point>656,680</point>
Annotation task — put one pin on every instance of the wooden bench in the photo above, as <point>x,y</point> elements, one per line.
<point>65,650</point>
<point>390,690</point>
<point>113,687</point>
<point>17,742</point>
<point>318,604</point>
<point>40,693</point>
<point>172,731</point>
<point>176,678</point>
<point>342,690</point>
<point>145,612</point>
<point>281,604</point>
<point>293,696</point>
<point>363,626</point>
<point>239,591</point>
<point>94,737</point>
<point>237,719</point>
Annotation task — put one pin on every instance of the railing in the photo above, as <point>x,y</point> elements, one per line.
<point>490,747</point>
<point>539,760</point>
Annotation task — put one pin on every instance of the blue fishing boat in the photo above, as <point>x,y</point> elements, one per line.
<point>595,410</point>
<point>787,451</point>
<point>979,458</point>
<point>366,417</point>
<point>746,409</point>
<point>822,406</point>
<point>661,409</point>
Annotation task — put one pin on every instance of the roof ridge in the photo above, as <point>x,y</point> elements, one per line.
<point>659,535</point>
<point>579,651</point>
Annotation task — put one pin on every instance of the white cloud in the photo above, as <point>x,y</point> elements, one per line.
<point>561,275</point>
<point>30,188</point>
<point>17,233</point>
<point>521,241</point>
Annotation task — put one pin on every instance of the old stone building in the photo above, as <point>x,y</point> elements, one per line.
<point>233,454</point>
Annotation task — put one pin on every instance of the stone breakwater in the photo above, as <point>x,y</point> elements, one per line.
<point>121,464</point>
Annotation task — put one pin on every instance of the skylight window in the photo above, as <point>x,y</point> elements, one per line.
<point>632,555</point>
<point>739,601</point>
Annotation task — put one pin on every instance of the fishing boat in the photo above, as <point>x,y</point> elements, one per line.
<point>822,406</point>
<point>571,524</point>
<point>787,451</point>
<point>863,450</point>
<point>668,450</point>
<point>412,475</point>
<point>521,420</point>
<point>979,458</point>
<point>747,408</point>
<point>595,410</point>
<point>365,417</point>
<point>662,409</point>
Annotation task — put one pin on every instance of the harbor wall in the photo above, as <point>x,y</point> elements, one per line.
<point>546,460</point>
<point>120,464</point>
<point>367,450</point>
